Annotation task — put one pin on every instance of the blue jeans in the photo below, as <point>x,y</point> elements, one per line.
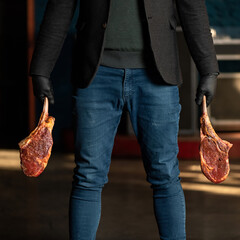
<point>154,112</point>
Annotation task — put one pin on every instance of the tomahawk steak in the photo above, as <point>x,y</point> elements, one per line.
<point>35,149</point>
<point>213,150</point>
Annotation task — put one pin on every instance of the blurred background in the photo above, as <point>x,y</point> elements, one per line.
<point>38,208</point>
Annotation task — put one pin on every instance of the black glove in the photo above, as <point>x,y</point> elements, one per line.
<point>207,86</point>
<point>42,87</point>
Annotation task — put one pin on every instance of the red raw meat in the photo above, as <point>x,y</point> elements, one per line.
<point>213,150</point>
<point>35,150</point>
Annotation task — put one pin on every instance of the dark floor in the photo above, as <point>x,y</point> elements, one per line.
<point>37,208</point>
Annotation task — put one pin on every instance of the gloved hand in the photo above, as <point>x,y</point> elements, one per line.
<point>207,86</point>
<point>42,87</point>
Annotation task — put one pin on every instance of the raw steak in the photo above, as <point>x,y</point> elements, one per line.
<point>213,150</point>
<point>35,149</point>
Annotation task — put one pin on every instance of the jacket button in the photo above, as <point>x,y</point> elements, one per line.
<point>104,25</point>
<point>149,17</point>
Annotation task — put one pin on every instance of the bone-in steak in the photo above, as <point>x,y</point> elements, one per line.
<point>35,150</point>
<point>213,150</point>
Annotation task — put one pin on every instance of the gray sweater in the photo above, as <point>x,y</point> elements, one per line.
<point>125,43</point>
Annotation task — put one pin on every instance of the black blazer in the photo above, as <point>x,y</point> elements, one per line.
<point>91,27</point>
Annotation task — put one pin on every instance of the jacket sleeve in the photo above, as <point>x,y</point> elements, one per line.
<point>53,31</point>
<point>195,24</point>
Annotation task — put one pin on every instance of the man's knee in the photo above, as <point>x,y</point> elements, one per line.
<point>169,189</point>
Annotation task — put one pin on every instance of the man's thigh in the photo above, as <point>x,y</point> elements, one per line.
<point>97,113</point>
<point>155,120</point>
